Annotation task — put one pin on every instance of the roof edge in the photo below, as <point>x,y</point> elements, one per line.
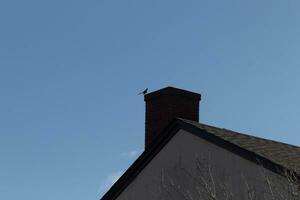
<point>141,162</point>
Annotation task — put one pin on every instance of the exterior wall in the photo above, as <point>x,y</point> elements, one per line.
<point>189,167</point>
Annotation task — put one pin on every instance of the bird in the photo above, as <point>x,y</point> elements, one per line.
<point>144,92</point>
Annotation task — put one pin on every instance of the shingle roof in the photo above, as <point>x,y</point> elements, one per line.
<point>285,155</point>
<point>275,153</point>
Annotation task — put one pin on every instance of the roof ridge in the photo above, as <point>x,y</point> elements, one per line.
<point>280,153</point>
<point>239,133</point>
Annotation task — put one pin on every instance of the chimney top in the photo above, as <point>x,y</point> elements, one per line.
<point>163,105</point>
<point>169,91</point>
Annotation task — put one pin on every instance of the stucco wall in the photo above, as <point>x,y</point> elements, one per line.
<point>189,167</point>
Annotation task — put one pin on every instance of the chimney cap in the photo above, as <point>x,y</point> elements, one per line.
<point>172,91</point>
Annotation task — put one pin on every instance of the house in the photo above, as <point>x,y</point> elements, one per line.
<point>184,159</point>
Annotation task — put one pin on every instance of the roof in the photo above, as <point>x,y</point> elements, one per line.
<point>285,155</point>
<point>273,155</point>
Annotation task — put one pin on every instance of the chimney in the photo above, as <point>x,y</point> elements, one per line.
<point>163,105</point>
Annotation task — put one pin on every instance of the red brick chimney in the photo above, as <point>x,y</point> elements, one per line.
<point>163,105</point>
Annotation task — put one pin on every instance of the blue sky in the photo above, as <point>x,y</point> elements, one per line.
<point>70,118</point>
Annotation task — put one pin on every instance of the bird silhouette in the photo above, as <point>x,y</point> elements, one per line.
<point>144,92</point>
